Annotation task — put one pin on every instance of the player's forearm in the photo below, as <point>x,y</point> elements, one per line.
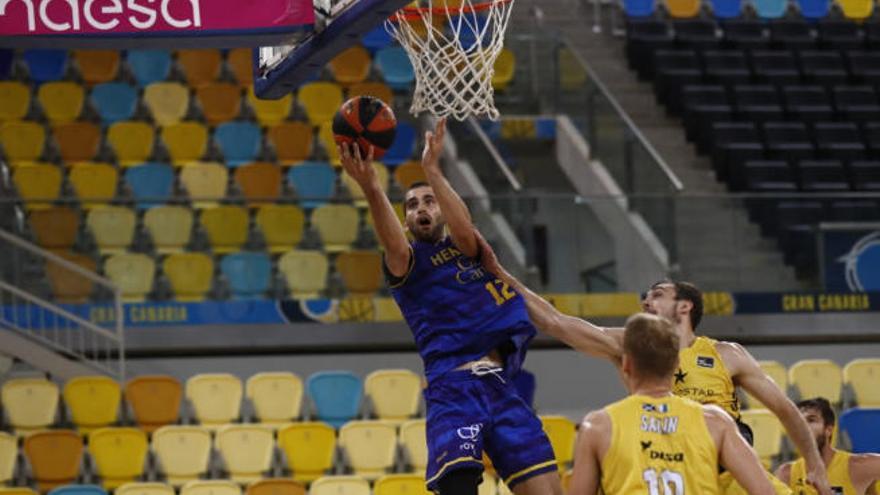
<point>386,223</point>
<point>456,213</point>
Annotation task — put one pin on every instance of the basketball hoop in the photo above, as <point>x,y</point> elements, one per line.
<point>452,45</point>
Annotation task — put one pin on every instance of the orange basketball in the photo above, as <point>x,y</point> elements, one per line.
<point>365,121</point>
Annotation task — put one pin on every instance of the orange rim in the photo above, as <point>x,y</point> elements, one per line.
<point>415,13</point>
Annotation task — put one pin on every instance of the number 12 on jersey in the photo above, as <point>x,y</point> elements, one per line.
<point>672,482</point>
<point>500,291</point>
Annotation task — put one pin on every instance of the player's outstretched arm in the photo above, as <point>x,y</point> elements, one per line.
<point>748,374</point>
<point>458,218</point>
<point>735,454</point>
<point>388,229</point>
<point>594,436</point>
<point>578,334</point>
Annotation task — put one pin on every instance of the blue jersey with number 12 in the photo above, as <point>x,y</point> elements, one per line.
<point>458,311</point>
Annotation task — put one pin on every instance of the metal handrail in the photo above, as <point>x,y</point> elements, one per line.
<point>496,156</point>
<point>667,170</point>
<point>94,277</point>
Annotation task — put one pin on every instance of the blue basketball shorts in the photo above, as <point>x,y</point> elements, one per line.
<point>467,414</point>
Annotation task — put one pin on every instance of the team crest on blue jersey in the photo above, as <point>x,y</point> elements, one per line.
<point>468,270</point>
<point>705,362</point>
<point>658,408</point>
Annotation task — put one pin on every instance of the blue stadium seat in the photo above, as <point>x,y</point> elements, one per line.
<point>814,9</point>
<point>150,183</point>
<point>376,39</point>
<point>239,142</point>
<point>314,182</point>
<point>78,490</point>
<point>249,274</point>
<point>46,65</point>
<point>524,381</point>
<point>860,424</point>
<point>396,69</point>
<point>770,9</point>
<point>6,58</point>
<point>114,101</point>
<point>336,394</point>
<point>726,9</point>
<point>149,66</point>
<point>403,147</point>
<point>638,8</point>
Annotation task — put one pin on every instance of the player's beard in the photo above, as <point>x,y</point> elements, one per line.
<point>821,442</point>
<point>431,236</point>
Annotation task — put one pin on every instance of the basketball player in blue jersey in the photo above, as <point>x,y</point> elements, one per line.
<point>470,328</point>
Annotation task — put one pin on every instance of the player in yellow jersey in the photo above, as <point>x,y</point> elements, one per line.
<point>848,474</point>
<point>656,443</point>
<point>710,370</point>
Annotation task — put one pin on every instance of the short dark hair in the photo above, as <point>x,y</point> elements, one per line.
<point>652,343</point>
<point>417,184</point>
<point>822,405</point>
<point>686,291</point>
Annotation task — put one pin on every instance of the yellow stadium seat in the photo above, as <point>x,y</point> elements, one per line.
<point>561,433</point>
<point>767,430</point>
<point>270,112</point>
<point>369,447</point>
<point>186,141</point>
<point>305,272</point>
<point>97,66</point>
<point>62,101</point>
<point>170,227</point>
<point>394,394</point>
<point>292,141</point>
<point>112,227</point>
<point>132,142</point>
<point>168,102</point>
<point>320,100</point>
<point>489,485</point>
<point>372,88</point>
<point>119,454</point>
<point>277,397</point>
<point>77,141</point>
<point>227,227</point>
<point>182,452</point>
<point>282,226</point>
<point>22,141</point>
<point>505,67</point>
<point>683,8</point>
<point>308,449</point>
<point>8,455</point>
<point>361,272</point>
<point>37,184</point>
<point>276,486</point>
<point>30,403</point>
<point>246,451</point>
<point>205,182</point>
<point>220,101</point>
<point>190,275</point>
<point>133,273</point>
<point>863,376</point>
<point>401,484</point>
<point>776,371</point>
<point>93,183</point>
<point>259,182</point>
<point>92,401</point>
<point>414,444</point>
<point>211,487</point>
<point>337,226</point>
<point>215,397</point>
<point>200,67</point>
<point>17,490</point>
<point>146,488</point>
<point>340,485</point>
<point>54,457</point>
<point>408,173</point>
<point>351,66</point>
<point>241,64</point>
<point>15,100</point>
<point>357,194</point>
<point>68,286</point>
<point>154,400</point>
<point>817,378</point>
<point>328,142</point>
<point>55,228</point>
<point>856,9</point>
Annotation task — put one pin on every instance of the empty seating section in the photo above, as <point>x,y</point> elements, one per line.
<point>309,449</point>
<point>119,454</point>
<point>55,457</point>
<point>246,451</point>
<point>782,103</point>
<point>182,452</point>
<point>215,398</point>
<point>93,183</point>
<point>92,401</point>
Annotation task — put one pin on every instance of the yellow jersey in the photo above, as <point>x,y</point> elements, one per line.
<point>658,445</point>
<point>702,377</point>
<point>838,476</point>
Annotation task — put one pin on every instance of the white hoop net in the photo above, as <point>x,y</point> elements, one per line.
<point>452,45</point>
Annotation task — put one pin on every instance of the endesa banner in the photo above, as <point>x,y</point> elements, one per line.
<point>140,23</point>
